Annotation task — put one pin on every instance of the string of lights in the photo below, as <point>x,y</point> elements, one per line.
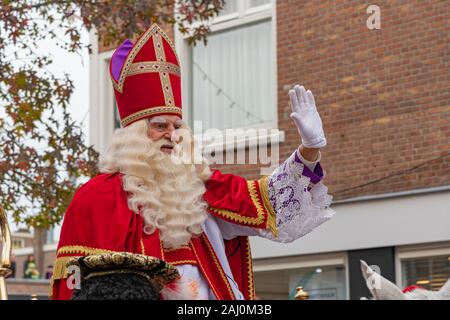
<point>220,91</point>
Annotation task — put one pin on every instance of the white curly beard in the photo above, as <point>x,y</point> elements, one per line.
<point>168,195</point>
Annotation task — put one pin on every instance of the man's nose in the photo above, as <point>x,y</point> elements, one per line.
<point>172,135</point>
<point>175,137</point>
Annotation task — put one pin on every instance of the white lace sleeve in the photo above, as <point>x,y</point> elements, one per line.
<point>299,199</point>
<point>300,203</point>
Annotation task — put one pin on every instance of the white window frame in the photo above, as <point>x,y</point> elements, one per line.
<point>101,94</point>
<point>417,251</point>
<point>18,243</point>
<point>243,17</point>
<point>305,261</point>
<point>101,97</point>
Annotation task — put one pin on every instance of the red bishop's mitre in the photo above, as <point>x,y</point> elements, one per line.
<point>146,77</point>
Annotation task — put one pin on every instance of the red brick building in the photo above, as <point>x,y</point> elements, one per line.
<point>22,247</point>
<point>384,100</point>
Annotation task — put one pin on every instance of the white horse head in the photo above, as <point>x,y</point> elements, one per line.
<point>383,289</point>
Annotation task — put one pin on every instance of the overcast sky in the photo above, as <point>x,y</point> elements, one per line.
<point>77,66</point>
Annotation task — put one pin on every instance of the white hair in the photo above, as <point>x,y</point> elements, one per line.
<point>167,194</point>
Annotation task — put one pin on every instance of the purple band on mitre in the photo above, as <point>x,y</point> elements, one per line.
<point>315,176</point>
<point>118,58</point>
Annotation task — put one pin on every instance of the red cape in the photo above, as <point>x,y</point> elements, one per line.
<point>98,220</point>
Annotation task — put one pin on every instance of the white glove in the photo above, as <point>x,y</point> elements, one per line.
<point>306,118</point>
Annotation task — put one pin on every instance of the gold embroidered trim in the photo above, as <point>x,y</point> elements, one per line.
<point>142,247</point>
<point>120,271</point>
<point>81,249</point>
<point>147,67</point>
<point>60,267</point>
<point>249,265</point>
<point>148,112</point>
<point>178,262</point>
<point>218,265</point>
<point>180,248</point>
<point>256,200</point>
<point>272,216</point>
<point>164,76</point>
<point>161,247</point>
<point>258,220</point>
<point>59,271</point>
<point>205,274</point>
<point>154,29</point>
<point>50,288</point>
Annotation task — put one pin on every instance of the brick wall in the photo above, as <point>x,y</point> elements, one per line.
<point>383,94</point>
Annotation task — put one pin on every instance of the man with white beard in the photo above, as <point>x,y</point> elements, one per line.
<point>194,218</point>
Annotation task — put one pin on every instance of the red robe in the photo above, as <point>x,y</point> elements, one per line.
<point>98,220</point>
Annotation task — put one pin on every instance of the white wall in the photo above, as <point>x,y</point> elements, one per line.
<point>403,220</point>
<point>101,98</point>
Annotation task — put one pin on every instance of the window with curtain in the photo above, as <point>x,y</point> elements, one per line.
<point>233,76</point>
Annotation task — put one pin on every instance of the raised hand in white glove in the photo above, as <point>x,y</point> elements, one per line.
<point>306,118</point>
